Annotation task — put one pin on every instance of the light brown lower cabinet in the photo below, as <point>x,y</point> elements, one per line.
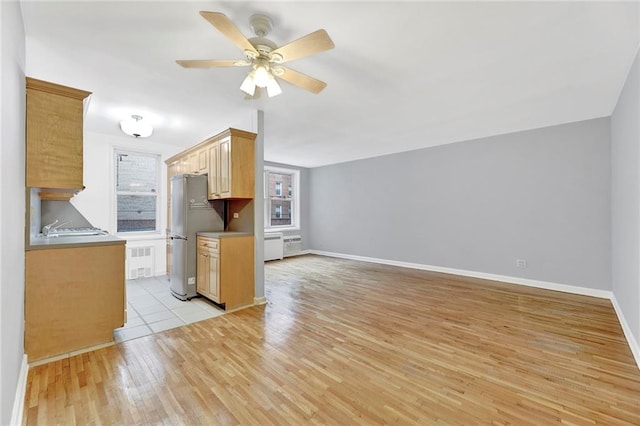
<point>225,272</point>
<point>74,298</point>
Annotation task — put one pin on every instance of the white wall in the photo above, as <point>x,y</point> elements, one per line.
<point>625,203</point>
<point>12,204</point>
<point>541,195</point>
<point>97,201</point>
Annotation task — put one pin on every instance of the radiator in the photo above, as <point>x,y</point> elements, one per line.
<point>292,245</point>
<point>273,246</point>
<point>139,262</point>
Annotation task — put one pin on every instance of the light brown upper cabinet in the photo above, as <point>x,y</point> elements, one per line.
<point>54,135</point>
<point>231,165</point>
<point>193,161</point>
<point>227,157</point>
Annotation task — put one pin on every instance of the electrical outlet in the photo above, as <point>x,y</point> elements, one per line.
<point>236,215</point>
<point>521,263</point>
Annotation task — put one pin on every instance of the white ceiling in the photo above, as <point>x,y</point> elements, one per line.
<point>403,75</point>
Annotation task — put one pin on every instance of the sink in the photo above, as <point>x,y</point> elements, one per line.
<point>76,232</point>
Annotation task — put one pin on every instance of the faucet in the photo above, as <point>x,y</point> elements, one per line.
<point>46,230</point>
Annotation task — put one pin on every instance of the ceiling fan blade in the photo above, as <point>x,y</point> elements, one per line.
<point>229,30</point>
<point>302,80</point>
<point>210,63</point>
<point>317,41</point>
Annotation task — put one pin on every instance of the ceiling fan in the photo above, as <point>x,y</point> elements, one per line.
<point>264,56</point>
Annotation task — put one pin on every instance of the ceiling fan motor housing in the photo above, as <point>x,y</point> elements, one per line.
<point>263,45</point>
<point>261,25</point>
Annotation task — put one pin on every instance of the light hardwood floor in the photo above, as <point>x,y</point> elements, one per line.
<point>345,342</point>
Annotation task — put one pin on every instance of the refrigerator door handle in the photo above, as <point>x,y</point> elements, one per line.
<point>178,237</point>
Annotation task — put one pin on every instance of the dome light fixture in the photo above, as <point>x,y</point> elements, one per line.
<point>136,127</point>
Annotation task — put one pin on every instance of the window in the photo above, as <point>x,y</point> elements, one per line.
<point>136,192</point>
<point>281,209</point>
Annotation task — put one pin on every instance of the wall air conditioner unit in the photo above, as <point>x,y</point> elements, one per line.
<point>292,245</point>
<point>273,246</point>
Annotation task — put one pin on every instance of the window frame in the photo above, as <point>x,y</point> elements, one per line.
<point>295,204</point>
<point>158,193</point>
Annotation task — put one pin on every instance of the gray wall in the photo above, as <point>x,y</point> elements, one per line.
<point>12,202</point>
<point>625,200</point>
<point>540,195</point>
<point>304,202</point>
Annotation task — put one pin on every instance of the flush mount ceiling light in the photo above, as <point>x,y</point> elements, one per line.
<point>135,126</point>
<point>264,56</point>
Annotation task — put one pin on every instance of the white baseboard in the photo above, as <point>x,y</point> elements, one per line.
<point>259,301</point>
<point>300,253</point>
<point>633,343</point>
<point>603,294</point>
<point>21,389</point>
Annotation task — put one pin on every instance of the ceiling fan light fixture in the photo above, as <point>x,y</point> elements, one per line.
<point>273,88</point>
<point>261,76</point>
<point>248,86</point>
<point>136,127</point>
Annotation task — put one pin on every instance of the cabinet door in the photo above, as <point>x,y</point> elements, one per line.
<point>203,161</point>
<point>184,166</point>
<point>213,172</point>
<point>54,141</point>
<point>172,170</point>
<point>202,272</point>
<point>214,276</point>
<point>192,163</point>
<point>224,183</point>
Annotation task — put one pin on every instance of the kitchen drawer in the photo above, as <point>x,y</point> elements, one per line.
<point>209,244</point>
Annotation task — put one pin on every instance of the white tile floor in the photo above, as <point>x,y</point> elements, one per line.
<point>151,308</point>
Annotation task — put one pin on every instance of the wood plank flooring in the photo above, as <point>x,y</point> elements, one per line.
<point>345,342</point>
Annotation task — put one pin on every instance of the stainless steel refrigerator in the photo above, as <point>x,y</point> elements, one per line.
<point>191,212</point>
